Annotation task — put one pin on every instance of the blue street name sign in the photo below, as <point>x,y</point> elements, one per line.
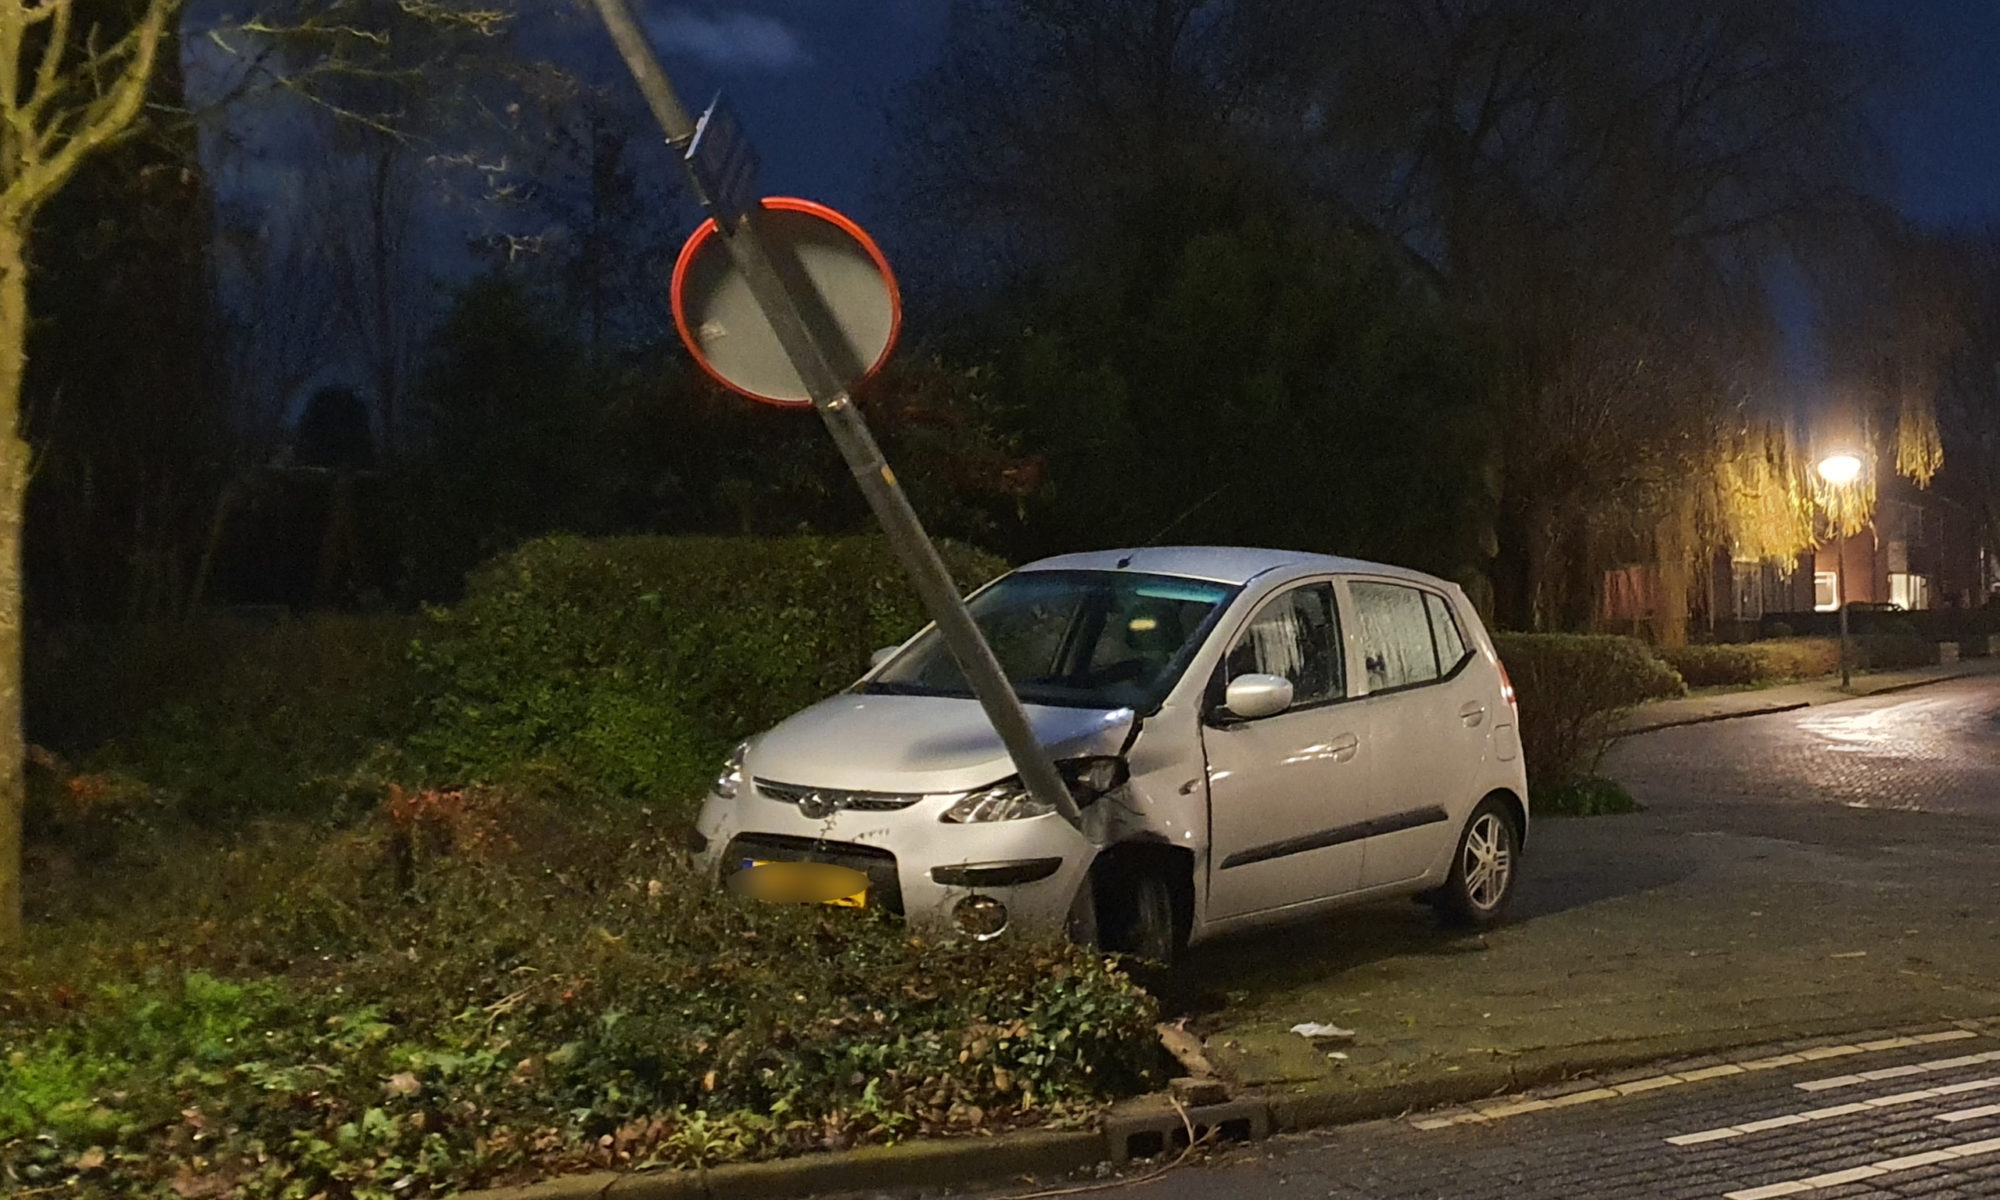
<point>723,163</point>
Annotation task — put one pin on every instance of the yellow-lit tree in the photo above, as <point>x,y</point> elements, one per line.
<point>68,88</point>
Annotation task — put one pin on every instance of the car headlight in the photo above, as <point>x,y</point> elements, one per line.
<point>727,783</point>
<point>1009,800</point>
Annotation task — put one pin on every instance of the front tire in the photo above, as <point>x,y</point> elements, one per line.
<point>1143,914</point>
<point>1483,869</point>
<point>1144,918</point>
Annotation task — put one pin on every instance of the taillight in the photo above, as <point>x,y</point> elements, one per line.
<point>1506,684</point>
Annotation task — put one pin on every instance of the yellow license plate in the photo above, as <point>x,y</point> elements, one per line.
<point>801,883</point>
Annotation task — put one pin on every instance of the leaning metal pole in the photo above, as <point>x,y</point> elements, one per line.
<point>857,445</point>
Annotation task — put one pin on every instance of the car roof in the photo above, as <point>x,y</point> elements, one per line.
<point>1223,564</point>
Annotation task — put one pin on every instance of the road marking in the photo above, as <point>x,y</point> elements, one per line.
<point>1968,1114</point>
<point>1887,1166</point>
<point>1902,1072</point>
<point>1847,1110</point>
<point>1502,1107</point>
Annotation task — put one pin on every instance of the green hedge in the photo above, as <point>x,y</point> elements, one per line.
<point>227,717</point>
<point>1894,651</point>
<point>626,666</point>
<point>1749,663</point>
<point>635,662</point>
<point>1572,688</point>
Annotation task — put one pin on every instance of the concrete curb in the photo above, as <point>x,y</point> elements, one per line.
<point>968,1161</point>
<point>1711,718</point>
<point>908,1164</point>
<point>1767,710</point>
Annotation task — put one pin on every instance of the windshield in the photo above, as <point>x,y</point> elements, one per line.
<point>1081,639</point>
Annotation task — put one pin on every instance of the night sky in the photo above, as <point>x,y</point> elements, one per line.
<point>1942,124</point>
<point>811,78</point>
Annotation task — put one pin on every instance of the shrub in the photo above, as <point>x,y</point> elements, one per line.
<point>1590,796</point>
<point>1892,651</point>
<point>1753,662</point>
<point>635,662</point>
<point>1779,630</point>
<point>1572,688</point>
<point>627,664</point>
<point>227,717</point>
<point>569,995</point>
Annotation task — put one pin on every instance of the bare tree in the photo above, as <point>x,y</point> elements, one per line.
<point>64,95</point>
<point>1602,182</point>
<point>365,224</point>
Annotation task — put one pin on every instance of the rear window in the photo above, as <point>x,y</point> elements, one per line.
<point>1444,627</point>
<point>1396,642</point>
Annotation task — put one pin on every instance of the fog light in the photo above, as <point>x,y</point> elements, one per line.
<point>981,916</point>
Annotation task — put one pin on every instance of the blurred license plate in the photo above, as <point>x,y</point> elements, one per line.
<point>801,883</point>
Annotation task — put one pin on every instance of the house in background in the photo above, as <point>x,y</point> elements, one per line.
<point>1921,552</point>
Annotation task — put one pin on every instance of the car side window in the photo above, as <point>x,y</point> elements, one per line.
<point>1395,632</point>
<point>1297,636</point>
<point>1444,628</point>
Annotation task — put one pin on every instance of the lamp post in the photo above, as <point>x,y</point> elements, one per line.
<point>1839,470</point>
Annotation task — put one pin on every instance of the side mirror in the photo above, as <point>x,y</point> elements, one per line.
<point>881,656</point>
<point>1252,696</point>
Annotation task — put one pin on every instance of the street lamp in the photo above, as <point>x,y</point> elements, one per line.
<point>1840,469</point>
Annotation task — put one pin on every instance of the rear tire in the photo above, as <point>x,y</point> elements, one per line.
<point>1483,869</point>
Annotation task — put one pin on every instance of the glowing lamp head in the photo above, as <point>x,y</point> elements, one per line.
<point>1840,469</point>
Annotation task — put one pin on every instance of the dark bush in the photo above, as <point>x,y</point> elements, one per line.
<point>224,717</point>
<point>1590,796</point>
<point>1893,651</point>
<point>627,665</point>
<point>1753,662</point>
<point>1572,688</point>
<point>635,662</point>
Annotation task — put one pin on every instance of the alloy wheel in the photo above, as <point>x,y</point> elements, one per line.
<point>1488,865</point>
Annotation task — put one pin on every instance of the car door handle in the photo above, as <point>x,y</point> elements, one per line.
<point>1345,747</point>
<point>1472,714</point>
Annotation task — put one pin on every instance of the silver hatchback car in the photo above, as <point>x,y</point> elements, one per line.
<point>1252,736</point>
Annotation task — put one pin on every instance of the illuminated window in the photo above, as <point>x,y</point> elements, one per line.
<point>1910,592</point>
<point>1748,575</point>
<point>1826,591</point>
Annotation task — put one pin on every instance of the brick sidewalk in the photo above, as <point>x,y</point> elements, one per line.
<point>1719,706</point>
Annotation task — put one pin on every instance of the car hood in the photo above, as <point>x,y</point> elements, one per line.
<point>918,744</point>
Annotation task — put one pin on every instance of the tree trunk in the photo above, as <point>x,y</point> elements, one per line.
<point>13,494</point>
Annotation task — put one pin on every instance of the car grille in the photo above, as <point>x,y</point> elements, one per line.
<point>820,802</point>
<point>885,890</point>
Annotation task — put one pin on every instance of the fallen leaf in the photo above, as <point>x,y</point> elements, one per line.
<point>402,1084</point>
<point>90,1159</point>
